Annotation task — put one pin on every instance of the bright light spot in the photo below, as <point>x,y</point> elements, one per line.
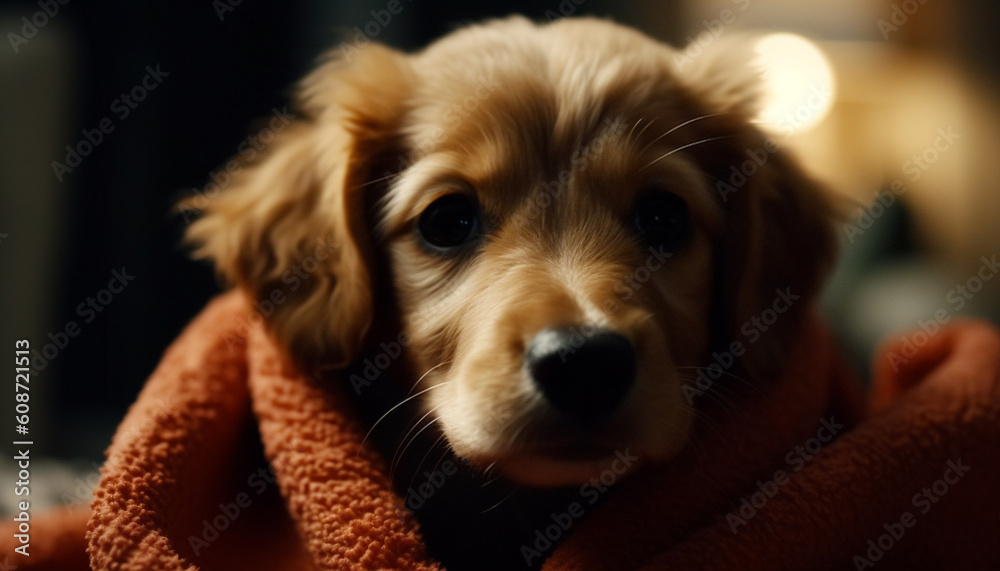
<point>799,86</point>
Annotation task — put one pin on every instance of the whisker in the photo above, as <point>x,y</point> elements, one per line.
<point>520,423</point>
<point>490,481</point>
<point>715,178</point>
<point>704,417</point>
<point>727,403</point>
<point>646,317</point>
<point>687,146</point>
<point>412,428</point>
<point>444,454</point>
<point>730,375</point>
<point>697,447</point>
<point>401,403</point>
<point>422,377</point>
<point>684,124</point>
<point>416,471</point>
<point>378,180</point>
<point>648,125</point>
<point>486,474</point>
<point>628,138</point>
<point>400,453</point>
<point>494,506</point>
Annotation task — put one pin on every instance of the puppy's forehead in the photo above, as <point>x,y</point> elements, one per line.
<point>512,106</point>
<point>538,88</point>
<point>494,119</point>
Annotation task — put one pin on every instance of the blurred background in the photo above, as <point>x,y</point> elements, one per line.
<point>110,111</point>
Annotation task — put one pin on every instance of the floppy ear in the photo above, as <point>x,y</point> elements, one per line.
<point>774,250</point>
<point>779,239</point>
<point>291,229</point>
<point>779,246</point>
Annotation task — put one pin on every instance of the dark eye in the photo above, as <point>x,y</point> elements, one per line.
<point>662,220</point>
<point>449,222</point>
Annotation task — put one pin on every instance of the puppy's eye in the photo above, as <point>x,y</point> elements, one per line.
<point>661,218</point>
<point>449,222</point>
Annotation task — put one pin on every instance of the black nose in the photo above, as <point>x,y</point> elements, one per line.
<point>584,375</point>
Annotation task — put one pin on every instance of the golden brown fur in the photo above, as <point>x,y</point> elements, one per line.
<point>502,112</point>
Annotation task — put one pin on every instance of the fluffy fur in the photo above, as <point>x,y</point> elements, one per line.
<point>555,131</point>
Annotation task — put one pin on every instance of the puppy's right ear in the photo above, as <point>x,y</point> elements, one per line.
<point>291,229</point>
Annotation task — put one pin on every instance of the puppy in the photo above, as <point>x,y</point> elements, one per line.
<point>545,213</point>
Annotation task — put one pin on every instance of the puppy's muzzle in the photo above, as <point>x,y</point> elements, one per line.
<point>583,375</point>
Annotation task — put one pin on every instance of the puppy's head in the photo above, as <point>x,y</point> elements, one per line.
<point>564,243</point>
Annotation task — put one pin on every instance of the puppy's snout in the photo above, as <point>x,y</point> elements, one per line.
<point>584,375</point>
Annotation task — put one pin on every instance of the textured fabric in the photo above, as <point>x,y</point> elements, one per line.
<point>878,496</point>
<point>764,485</point>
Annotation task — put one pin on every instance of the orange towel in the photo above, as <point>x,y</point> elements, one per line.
<point>913,485</point>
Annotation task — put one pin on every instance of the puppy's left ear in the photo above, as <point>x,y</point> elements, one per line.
<point>779,241</point>
<point>292,229</point>
<point>779,246</point>
<point>776,247</point>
